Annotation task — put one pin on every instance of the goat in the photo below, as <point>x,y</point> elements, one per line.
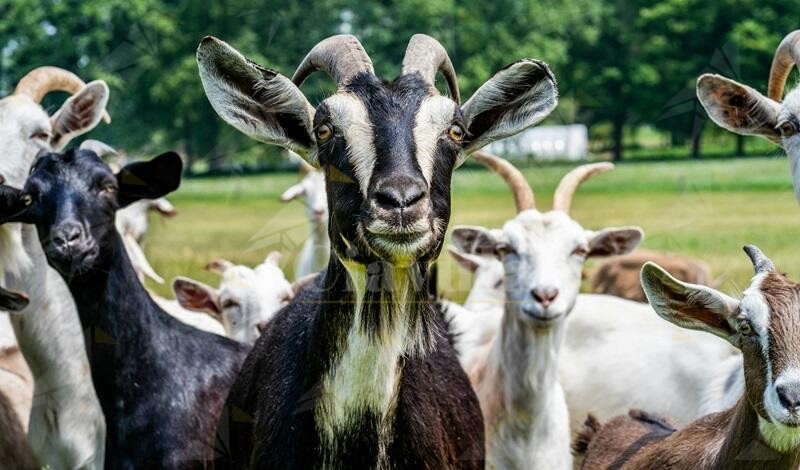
<point>604,351</point>
<point>154,376</point>
<point>317,248</point>
<point>246,296</point>
<point>620,275</point>
<point>67,428</point>
<point>761,430</point>
<point>356,371</point>
<point>743,110</point>
<point>524,408</point>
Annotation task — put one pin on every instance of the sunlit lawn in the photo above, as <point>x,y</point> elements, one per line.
<point>706,209</point>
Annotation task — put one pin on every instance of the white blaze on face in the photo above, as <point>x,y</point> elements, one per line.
<point>433,119</point>
<point>350,117</point>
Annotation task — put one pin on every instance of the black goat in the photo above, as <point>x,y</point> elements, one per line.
<point>357,373</point>
<point>161,383</point>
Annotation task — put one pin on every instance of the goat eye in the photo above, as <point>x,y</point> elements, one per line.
<point>503,249</point>
<point>324,132</point>
<point>108,189</point>
<point>787,128</point>
<point>230,304</point>
<point>580,251</point>
<point>27,199</point>
<point>41,135</point>
<point>456,133</point>
<point>745,328</point>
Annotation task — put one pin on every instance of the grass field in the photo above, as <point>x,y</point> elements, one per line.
<point>707,209</point>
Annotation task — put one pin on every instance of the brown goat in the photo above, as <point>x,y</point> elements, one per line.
<point>763,429</point>
<point>619,276</point>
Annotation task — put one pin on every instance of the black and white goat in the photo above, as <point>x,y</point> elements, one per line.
<point>161,383</point>
<point>357,372</point>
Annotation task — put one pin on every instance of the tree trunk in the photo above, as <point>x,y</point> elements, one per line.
<point>698,137</point>
<point>740,152</point>
<point>618,135</point>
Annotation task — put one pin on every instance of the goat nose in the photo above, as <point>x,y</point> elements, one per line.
<point>545,295</point>
<point>67,235</point>
<point>789,396</point>
<point>400,193</point>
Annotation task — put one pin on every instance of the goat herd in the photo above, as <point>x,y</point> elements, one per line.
<point>361,365</point>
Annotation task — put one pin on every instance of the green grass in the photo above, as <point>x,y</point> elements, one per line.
<point>706,209</point>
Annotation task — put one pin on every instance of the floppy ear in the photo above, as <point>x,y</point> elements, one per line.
<point>163,207</point>
<point>689,305</point>
<point>194,295</point>
<point>13,205</point>
<point>149,180</point>
<point>219,266</point>
<point>738,108</point>
<point>474,240</point>
<point>614,241</point>
<point>79,114</point>
<point>516,98</point>
<point>293,192</point>
<point>12,301</point>
<point>261,103</point>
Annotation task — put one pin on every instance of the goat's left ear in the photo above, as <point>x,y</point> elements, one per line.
<point>516,98</point>
<point>474,240</point>
<point>79,114</point>
<point>292,193</point>
<point>690,305</point>
<point>614,241</point>
<point>151,179</point>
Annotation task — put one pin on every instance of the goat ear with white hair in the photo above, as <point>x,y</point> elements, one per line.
<point>739,108</point>
<point>614,241</point>
<point>690,305</point>
<point>477,241</point>
<point>293,192</point>
<point>79,114</point>
<point>149,179</point>
<point>259,102</point>
<point>196,296</point>
<point>514,99</point>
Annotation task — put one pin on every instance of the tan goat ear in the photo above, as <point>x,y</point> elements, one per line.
<point>79,114</point>
<point>687,305</point>
<point>738,108</point>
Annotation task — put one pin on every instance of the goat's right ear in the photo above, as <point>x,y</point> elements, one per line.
<point>293,192</point>
<point>13,205</point>
<point>196,296</point>
<point>261,103</point>
<point>514,99</point>
<point>738,108</point>
<point>79,114</point>
<point>149,179</point>
<point>689,305</point>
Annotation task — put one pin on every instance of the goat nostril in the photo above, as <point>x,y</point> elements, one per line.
<point>788,396</point>
<point>402,195</point>
<point>67,236</point>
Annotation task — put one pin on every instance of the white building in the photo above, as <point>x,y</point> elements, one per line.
<point>569,142</point>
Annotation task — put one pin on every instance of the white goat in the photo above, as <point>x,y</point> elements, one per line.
<point>246,296</point>
<point>317,248</point>
<point>67,428</point>
<point>743,110</point>
<point>524,408</point>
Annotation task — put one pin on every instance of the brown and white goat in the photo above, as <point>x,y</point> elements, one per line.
<point>743,110</point>
<point>763,429</point>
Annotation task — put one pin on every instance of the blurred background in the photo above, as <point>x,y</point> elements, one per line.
<point>626,71</point>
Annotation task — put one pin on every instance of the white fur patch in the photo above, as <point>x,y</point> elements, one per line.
<point>350,116</point>
<point>433,119</point>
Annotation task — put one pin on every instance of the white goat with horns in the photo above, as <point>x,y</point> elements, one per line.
<point>513,357</point>
<point>743,110</point>
<point>67,427</point>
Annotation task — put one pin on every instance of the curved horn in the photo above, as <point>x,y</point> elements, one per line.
<point>42,80</point>
<point>341,56</point>
<point>101,149</point>
<point>786,56</point>
<point>562,200</point>
<point>761,263</point>
<point>523,193</point>
<point>427,56</point>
